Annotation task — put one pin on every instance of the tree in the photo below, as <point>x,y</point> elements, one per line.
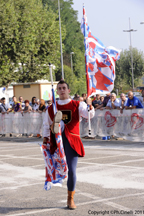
<point>29,38</point>
<point>73,42</point>
<point>123,68</point>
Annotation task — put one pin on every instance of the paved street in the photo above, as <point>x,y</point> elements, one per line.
<point>110,180</point>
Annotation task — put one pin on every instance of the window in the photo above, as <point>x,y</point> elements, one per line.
<point>26,86</point>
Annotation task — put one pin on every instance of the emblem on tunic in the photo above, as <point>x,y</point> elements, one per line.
<point>67,116</point>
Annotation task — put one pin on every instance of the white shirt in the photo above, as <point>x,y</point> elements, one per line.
<point>83,111</point>
<point>35,107</point>
<point>116,103</point>
<point>120,102</point>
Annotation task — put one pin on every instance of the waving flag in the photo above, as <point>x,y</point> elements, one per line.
<point>55,164</point>
<point>99,60</point>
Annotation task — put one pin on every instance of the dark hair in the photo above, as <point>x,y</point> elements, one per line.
<point>3,98</point>
<point>33,99</point>
<point>26,101</point>
<point>83,95</point>
<point>62,82</point>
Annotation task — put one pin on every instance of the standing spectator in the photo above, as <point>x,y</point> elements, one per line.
<point>16,107</point>
<point>97,101</point>
<point>33,102</point>
<point>27,107</point>
<point>4,108</point>
<point>49,103</point>
<point>22,102</point>
<point>142,98</point>
<point>102,99</point>
<point>36,105</point>
<point>104,103</point>
<point>42,106</point>
<point>84,97</point>
<point>81,99</point>
<point>122,102</point>
<point>76,97</point>
<point>133,102</point>
<point>113,102</point>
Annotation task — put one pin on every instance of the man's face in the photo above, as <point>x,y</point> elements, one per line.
<point>3,101</point>
<point>63,91</point>
<point>123,97</point>
<point>130,95</point>
<point>20,99</point>
<point>98,96</point>
<point>113,97</point>
<point>26,104</point>
<point>14,99</point>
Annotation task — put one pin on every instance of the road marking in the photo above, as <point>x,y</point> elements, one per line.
<point>38,165</point>
<point>79,204</point>
<point>113,165</point>
<point>19,149</point>
<point>122,148</point>
<point>20,186</point>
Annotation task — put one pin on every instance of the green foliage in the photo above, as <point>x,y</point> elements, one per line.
<point>73,42</point>
<point>29,38</point>
<point>77,85</point>
<point>124,72</point>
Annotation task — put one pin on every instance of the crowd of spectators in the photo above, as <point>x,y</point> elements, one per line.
<point>110,101</point>
<point>22,106</point>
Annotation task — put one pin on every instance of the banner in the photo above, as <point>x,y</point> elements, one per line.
<point>129,125</point>
<point>99,62</point>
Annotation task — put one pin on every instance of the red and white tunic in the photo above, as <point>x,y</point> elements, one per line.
<point>72,111</point>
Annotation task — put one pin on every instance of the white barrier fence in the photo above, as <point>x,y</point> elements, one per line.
<point>129,125</point>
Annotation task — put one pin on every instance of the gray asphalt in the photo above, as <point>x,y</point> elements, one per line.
<point>110,179</point>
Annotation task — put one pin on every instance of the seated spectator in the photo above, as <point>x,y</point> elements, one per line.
<point>113,102</point>
<point>97,101</point>
<point>133,102</point>
<point>36,105</point>
<point>142,98</point>
<point>84,97</point>
<point>42,106</point>
<point>16,107</point>
<point>122,102</point>
<point>4,108</point>
<point>104,103</point>
<point>27,107</point>
<point>22,102</point>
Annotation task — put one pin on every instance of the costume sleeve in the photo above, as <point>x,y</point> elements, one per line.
<point>83,110</point>
<point>46,124</point>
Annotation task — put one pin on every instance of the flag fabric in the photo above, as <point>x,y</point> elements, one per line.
<point>99,60</point>
<point>55,164</point>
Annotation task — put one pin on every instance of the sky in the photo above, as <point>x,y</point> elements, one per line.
<point>108,18</point>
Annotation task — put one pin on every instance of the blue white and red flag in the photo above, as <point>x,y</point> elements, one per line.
<point>99,60</point>
<point>55,164</point>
